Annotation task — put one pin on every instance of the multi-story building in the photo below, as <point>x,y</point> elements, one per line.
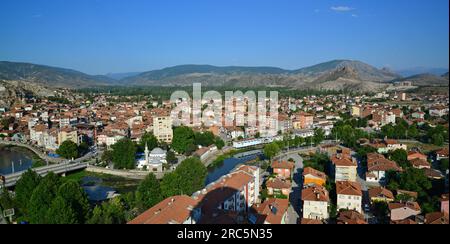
<point>315,203</point>
<point>377,166</point>
<point>349,196</point>
<point>345,167</point>
<point>67,134</point>
<point>162,128</point>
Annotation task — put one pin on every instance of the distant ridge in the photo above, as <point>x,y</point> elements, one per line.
<point>333,75</point>
<point>49,76</point>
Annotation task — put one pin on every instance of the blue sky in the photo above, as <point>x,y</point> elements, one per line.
<point>101,36</point>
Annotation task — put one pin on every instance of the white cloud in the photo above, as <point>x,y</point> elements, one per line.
<point>354,15</point>
<point>342,8</point>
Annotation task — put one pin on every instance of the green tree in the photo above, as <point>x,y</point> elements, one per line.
<point>183,138</point>
<point>204,139</point>
<point>170,185</point>
<point>60,212</point>
<point>319,136</point>
<point>271,150</point>
<point>111,212</point>
<point>25,187</point>
<point>148,192</point>
<point>148,139</point>
<point>400,156</point>
<point>443,165</point>
<point>124,154</point>
<point>188,178</point>
<point>68,150</point>
<point>171,157</point>
<point>75,197</point>
<point>220,144</point>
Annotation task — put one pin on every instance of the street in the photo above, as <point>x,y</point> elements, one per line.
<point>294,210</point>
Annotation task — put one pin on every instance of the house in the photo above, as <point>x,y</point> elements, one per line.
<point>419,163</point>
<point>381,194</point>
<point>310,222</point>
<point>205,152</point>
<point>272,211</point>
<point>412,195</point>
<point>303,120</point>
<point>377,166</point>
<point>439,110</point>
<point>402,211</point>
<point>345,167</point>
<point>283,169</point>
<point>315,202</point>
<point>442,154</point>
<point>436,218</point>
<point>388,145</point>
<point>351,217</point>
<point>234,193</point>
<point>277,186</point>
<point>416,155</point>
<point>67,134</point>
<point>173,210</point>
<point>433,174</point>
<point>349,195</point>
<point>313,176</point>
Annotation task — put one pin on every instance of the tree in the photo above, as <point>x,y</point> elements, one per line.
<point>319,136</point>
<point>171,158</point>
<point>112,212</point>
<point>107,156</point>
<point>68,150</point>
<point>192,175</point>
<point>271,150</point>
<point>124,154</point>
<point>188,178</point>
<point>400,156</point>
<point>204,139</point>
<point>60,212</point>
<point>148,192</point>
<point>148,139</point>
<point>220,144</point>
<point>444,165</point>
<point>183,138</point>
<point>437,139</point>
<point>169,185</point>
<point>25,187</point>
<point>75,197</point>
<point>40,202</point>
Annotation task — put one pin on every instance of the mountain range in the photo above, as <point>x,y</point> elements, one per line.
<point>332,75</point>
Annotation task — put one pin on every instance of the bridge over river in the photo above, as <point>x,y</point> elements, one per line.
<point>60,169</point>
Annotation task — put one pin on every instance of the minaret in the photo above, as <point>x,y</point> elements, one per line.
<point>147,153</point>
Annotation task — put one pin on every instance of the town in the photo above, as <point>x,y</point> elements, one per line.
<point>332,158</point>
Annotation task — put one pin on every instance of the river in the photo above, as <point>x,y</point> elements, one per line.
<point>227,167</point>
<point>22,159</point>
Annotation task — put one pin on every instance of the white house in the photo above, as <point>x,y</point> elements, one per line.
<point>349,196</point>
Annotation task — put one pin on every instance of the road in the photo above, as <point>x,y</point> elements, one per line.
<point>294,210</point>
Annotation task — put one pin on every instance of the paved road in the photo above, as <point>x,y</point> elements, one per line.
<point>294,210</point>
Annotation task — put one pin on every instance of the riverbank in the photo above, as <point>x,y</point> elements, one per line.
<point>120,184</point>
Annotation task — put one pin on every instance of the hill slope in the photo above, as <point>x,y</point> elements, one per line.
<point>427,80</point>
<point>49,76</point>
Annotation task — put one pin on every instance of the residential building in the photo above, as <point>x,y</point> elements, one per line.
<point>377,166</point>
<point>381,194</point>
<point>312,176</point>
<point>173,210</point>
<point>315,202</point>
<point>349,196</point>
<point>345,167</point>
<point>162,128</point>
<point>272,211</point>
<point>351,217</point>
<point>277,186</point>
<point>402,211</point>
<point>283,169</point>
